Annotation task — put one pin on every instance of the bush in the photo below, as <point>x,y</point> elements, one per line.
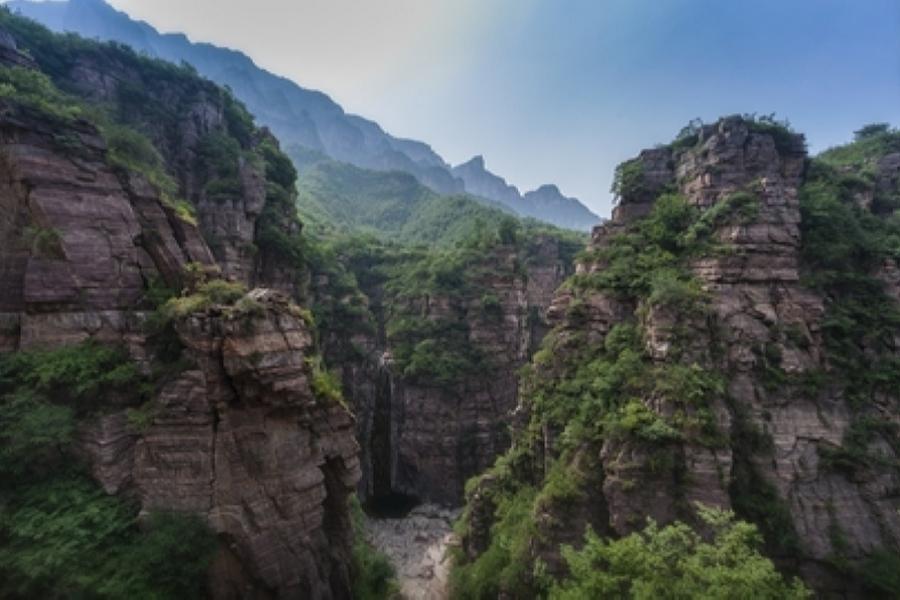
<point>215,292</point>
<point>373,576</point>
<point>675,562</point>
<point>66,538</point>
<point>505,565</point>
<point>33,89</point>
<point>628,179</point>
<point>880,574</point>
<point>325,385</point>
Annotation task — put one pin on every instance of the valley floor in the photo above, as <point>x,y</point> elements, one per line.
<point>417,546</point>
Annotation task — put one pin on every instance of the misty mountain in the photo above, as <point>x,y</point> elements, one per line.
<point>546,203</point>
<point>298,116</point>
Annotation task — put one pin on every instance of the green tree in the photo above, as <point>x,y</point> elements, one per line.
<point>674,563</point>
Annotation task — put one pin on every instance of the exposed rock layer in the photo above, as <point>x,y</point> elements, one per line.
<point>238,436</point>
<point>758,310</point>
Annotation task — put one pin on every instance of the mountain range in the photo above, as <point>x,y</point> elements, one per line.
<point>307,121</point>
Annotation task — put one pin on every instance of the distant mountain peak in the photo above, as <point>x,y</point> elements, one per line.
<point>476,161</point>
<point>300,116</point>
<point>547,188</point>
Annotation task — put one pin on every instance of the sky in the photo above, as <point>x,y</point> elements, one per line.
<point>563,90</point>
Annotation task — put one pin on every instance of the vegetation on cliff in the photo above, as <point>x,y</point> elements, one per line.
<point>141,118</point>
<point>588,392</point>
<point>60,534</point>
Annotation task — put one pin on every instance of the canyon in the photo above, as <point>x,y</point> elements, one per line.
<point>473,405</point>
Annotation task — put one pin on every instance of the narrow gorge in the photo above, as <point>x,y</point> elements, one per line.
<point>229,370</point>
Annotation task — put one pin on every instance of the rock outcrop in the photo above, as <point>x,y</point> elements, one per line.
<point>236,431</point>
<point>241,438</point>
<point>765,436</point>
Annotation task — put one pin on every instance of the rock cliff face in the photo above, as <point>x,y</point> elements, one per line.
<point>423,434</point>
<point>241,438</point>
<point>237,433</point>
<point>760,436</point>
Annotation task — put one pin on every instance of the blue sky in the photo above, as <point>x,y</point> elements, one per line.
<point>562,90</point>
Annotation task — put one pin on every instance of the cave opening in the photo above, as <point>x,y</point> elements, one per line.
<point>392,505</point>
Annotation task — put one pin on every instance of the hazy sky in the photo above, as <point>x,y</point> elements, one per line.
<point>562,90</point>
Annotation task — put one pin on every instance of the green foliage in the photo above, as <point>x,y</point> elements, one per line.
<point>880,574</point>
<point>218,157</point>
<point>44,242</point>
<point>737,208</point>
<point>656,247</point>
<point>238,119</point>
<point>753,497</point>
<point>855,452</point>
<point>210,293</point>
<point>505,564</point>
<point>434,352</point>
<point>42,392</point>
<point>676,562</point>
<point>780,130</point>
<point>842,246</point>
<point>130,150</point>
<point>76,373</point>
<point>65,538</point>
<point>491,307</point>
<point>278,228</point>
<point>628,179</point>
<point>60,535</point>
<point>325,385</point>
<point>872,142</point>
<point>668,287</point>
<point>395,207</point>
<point>34,431</point>
<point>36,91</point>
<point>373,575</point>
<point>688,136</point>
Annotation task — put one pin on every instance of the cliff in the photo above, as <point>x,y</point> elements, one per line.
<point>712,350</point>
<point>136,206</point>
<point>429,344</point>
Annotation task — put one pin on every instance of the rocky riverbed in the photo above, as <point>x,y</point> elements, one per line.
<point>417,546</point>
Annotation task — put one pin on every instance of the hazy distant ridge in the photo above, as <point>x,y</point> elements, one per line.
<point>303,117</point>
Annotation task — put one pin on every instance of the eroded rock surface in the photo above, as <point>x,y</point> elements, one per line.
<point>760,319</point>
<point>234,432</point>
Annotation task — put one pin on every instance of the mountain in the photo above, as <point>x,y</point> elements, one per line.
<point>545,203</point>
<point>298,116</point>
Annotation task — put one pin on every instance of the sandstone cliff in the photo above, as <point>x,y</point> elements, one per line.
<point>708,351</point>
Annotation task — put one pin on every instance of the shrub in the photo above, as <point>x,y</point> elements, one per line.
<point>131,150</point>
<point>505,565</point>
<point>880,574</point>
<point>628,179</point>
<point>675,562</point>
<point>373,576</point>
<point>34,89</point>
<point>66,538</point>
<point>44,242</point>
<point>215,292</point>
<point>325,385</point>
